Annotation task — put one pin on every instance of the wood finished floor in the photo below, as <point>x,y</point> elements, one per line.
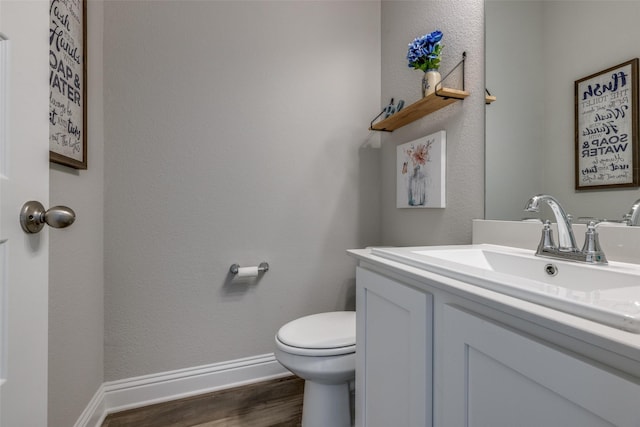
<point>275,403</point>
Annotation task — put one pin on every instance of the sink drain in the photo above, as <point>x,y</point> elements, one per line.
<point>551,269</point>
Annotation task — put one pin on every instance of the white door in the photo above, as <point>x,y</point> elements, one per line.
<point>24,175</point>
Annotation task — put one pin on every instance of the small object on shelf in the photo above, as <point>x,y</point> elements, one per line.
<point>430,79</point>
<point>391,109</point>
<point>424,54</point>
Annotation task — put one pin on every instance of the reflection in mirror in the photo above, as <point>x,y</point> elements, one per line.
<point>535,51</point>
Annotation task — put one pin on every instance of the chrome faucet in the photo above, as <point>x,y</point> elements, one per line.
<point>566,239</point>
<point>633,217</point>
<point>566,248</point>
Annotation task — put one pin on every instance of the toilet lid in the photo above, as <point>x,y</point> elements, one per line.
<point>320,331</point>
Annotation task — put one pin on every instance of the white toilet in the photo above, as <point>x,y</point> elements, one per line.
<point>321,349</point>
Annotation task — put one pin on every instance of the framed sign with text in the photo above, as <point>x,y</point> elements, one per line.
<point>606,128</point>
<point>67,83</point>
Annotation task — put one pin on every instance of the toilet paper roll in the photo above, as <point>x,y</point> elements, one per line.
<point>248,272</point>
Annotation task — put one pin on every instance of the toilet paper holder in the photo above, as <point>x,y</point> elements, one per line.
<point>262,268</point>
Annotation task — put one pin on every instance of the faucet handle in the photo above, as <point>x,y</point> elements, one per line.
<point>546,240</point>
<point>591,248</point>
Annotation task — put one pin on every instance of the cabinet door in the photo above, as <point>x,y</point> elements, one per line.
<point>393,353</point>
<point>494,376</point>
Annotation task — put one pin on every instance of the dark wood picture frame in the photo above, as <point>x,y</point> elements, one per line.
<point>606,128</point>
<point>67,83</point>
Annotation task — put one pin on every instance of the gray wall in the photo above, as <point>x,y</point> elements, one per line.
<point>462,22</point>
<point>515,122</point>
<point>76,276</point>
<point>235,132</point>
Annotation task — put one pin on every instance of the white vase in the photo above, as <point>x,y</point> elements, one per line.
<point>430,79</point>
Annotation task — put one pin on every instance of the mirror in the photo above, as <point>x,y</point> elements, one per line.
<point>535,51</point>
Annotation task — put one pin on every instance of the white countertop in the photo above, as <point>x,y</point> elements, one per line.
<point>624,343</point>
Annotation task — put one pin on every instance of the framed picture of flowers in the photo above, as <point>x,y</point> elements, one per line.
<point>421,172</point>
<point>606,128</point>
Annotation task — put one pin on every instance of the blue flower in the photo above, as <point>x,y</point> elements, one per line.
<point>434,37</point>
<point>424,52</point>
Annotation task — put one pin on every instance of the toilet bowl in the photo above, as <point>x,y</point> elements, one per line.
<point>321,350</point>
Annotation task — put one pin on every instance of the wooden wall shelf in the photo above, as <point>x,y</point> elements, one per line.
<point>419,109</point>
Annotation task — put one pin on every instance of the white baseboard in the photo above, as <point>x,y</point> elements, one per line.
<point>115,396</point>
<point>94,413</point>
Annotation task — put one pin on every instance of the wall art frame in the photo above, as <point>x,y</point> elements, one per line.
<point>421,172</point>
<point>67,83</point>
<point>606,128</point>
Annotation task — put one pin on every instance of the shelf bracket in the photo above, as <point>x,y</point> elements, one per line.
<point>464,58</point>
<point>376,118</point>
<point>488,99</point>
<point>384,110</point>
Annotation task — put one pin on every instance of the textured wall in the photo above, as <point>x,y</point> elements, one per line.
<point>235,132</point>
<point>76,273</point>
<point>462,22</point>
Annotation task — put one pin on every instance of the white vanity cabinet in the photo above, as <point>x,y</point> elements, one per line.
<point>393,353</point>
<point>494,376</point>
<point>430,355</point>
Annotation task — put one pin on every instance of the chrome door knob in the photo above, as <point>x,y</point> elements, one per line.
<point>33,216</point>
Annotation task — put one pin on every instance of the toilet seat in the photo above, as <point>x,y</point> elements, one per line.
<point>323,334</point>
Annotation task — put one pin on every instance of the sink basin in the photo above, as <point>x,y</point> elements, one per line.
<point>608,294</point>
